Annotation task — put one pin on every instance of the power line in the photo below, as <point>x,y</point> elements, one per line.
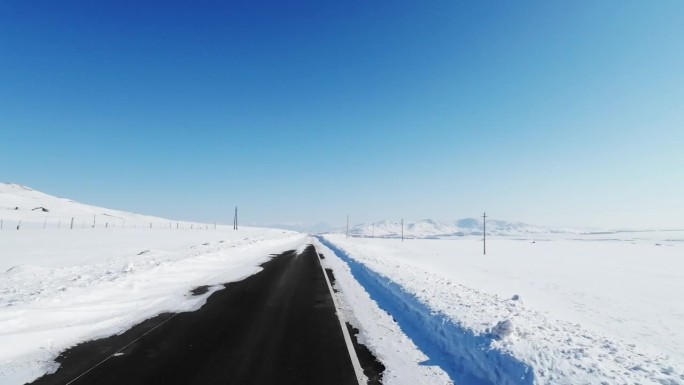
<point>235,220</point>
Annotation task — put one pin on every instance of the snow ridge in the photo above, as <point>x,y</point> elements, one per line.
<point>463,355</point>
<point>29,208</point>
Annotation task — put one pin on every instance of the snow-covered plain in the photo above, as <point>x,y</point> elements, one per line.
<point>543,306</point>
<point>553,311</point>
<point>61,286</point>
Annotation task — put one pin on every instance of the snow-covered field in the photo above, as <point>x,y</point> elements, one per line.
<point>542,307</point>
<point>84,284</point>
<point>61,286</point>
<point>603,309</point>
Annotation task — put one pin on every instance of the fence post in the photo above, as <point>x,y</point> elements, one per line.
<point>19,225</point>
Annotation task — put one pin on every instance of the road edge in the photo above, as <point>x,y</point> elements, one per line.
<point>358,370</point>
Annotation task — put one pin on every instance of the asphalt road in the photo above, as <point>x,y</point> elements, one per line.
<point>276,327</point>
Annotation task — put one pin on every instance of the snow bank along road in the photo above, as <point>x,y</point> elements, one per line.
<point>514,316</point>
<point>277,326</point>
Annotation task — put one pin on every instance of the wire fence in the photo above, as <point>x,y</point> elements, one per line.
<point>98,221</point>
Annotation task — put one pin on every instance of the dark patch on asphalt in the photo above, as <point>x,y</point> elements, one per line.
<point>372,367</point>
<point>199,290</point>
<point>278,326</point>
<point>331,277</point>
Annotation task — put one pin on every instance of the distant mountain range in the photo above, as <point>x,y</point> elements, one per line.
<point>428,228</point>
<point>36,209</point>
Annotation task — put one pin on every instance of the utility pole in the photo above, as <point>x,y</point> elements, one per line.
<point>235,220</point>
<point>402,229</point>
<point>484,233</point>
<point>347,226</point>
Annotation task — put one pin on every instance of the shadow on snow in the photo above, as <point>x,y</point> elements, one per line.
<point>466,357</point>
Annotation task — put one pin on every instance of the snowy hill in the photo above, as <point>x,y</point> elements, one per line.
<point>428,228</point>
<point>34,208</point>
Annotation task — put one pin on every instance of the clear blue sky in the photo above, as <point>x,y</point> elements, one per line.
<point>549,112</point>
